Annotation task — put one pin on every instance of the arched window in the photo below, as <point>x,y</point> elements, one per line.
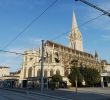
<point>38,73</point>
<point>66,73</point>
<point>45,73</point>
<point>50,58</point>
<point>57,57</point>
<point>58,72</point>
<point>30,72</point>
<point>51,72</point>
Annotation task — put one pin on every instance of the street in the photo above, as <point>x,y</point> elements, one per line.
<point>9,95</point>
<point>60,94</point>
<point>85,93</point>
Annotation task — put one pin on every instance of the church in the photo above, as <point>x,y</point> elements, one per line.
<point>57,57</point>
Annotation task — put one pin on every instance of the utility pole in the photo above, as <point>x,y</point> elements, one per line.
<point>76,84</point>
<point>75,62</point>
<point>42,65</point>
<point>96,7</point>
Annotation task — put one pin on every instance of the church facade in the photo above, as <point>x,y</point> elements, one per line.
<point>57,57</point>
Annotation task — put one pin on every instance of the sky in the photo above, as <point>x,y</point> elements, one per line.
<point>15,15</point>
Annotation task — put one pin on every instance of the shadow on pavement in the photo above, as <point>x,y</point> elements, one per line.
<point>78,96</point>
<point>66,93</point>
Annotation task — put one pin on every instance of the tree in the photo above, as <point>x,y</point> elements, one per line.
<point>91,76</point>
<point>56,78</point>
<point>75,75</point>
<point>65,61</point>
<point>55,81</point>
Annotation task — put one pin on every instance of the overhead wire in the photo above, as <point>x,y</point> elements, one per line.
<point>18,53</point>
<point>12,52</point>
<point>81,25</point>
<point>35,19</point>
<point>60,35</point>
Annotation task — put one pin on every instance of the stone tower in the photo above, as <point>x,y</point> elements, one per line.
<point>75,36</point>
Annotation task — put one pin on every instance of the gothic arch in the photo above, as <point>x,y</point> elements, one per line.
<point>58,72</point>
<point>45,73</point>
<point>30,72</point>
<point>56,54</point>
<point>66,72</point>
<point>38,72</point>
<point>50,58</point>
<point>51,72</point>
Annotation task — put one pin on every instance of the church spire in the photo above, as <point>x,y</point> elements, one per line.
<point>96,54</point>
<point>75,36</point>
<point>74,23</point>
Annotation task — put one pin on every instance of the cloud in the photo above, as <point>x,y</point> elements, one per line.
<point>106,37</point>
<point>11,60</point>
<point>103,21</point>
<point>104,5</point>
<point>14,61</point>
<point>34,40</point>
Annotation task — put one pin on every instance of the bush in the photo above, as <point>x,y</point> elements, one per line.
<point>91,76</point>
<point>75,75</point>
<point>55,81</point>
<point>56,78</point>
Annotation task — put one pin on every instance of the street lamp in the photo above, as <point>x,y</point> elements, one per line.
<point>42,65</point>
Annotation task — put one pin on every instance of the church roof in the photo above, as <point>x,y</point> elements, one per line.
<point>51,43</point>
<point>3,67</point>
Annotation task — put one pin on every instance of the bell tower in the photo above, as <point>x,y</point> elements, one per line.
<point>75,36</point>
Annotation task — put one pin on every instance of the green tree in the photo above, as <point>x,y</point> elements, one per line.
<point>75,75</point>
<point>91,76</point>
<point>55,81</point>
<point>56,78</point>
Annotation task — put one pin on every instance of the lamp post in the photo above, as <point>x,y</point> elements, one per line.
<point>42,65</point>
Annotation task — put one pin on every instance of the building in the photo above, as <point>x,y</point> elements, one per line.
<point>7,78</point>
<point>4,71</point>
<point>57,58</point>
<point>105,74</point>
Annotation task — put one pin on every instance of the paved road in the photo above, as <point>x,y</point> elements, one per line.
<point>83,94</point>
<point>86,93</point>
<point>10,95</point>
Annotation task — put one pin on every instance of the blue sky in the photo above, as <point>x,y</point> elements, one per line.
<point>16,14</point>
